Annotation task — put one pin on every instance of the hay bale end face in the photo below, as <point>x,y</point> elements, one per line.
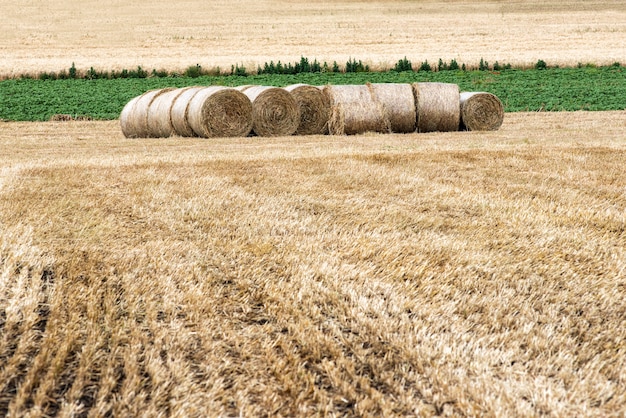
<point>353,111</point>
<point>274,111</point>
<point>481,111</point>
<point>398,102</point>
<point>220,112</point>
<point>438,107</point>
<point>314,106</point>
<point>178,112</point>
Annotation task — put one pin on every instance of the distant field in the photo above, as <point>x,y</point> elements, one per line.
<point>48,36</point>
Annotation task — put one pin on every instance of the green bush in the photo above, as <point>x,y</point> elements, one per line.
<point>239,71</point>
<point>352,66</point>
<point>403,65</point>
<point>425,66</point>
<point>193,71</point>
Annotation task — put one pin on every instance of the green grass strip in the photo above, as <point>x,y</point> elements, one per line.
<point>552,89</point>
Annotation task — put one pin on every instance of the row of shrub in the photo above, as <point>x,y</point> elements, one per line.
<point>303,66</point>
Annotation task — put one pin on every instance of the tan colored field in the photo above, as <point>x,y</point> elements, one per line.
<point>457,274</point>
<point>41,35</point>
<point>464,274</point>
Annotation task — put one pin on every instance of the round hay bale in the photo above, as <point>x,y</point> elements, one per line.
<point>274,111</point>
<point>438,107</point>
<point>126,120</point>
<point>398,102</point>
<point>481,111</point>
<point>178,112</point>
<point>354,111</point>
<point>314,107</point>
<point>135,123</point>
<point>218,111</point>
<point>159,114</point>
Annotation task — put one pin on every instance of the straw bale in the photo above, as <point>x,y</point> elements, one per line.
<point>274,111</point>
<point>481,111</point>
<point>159,114</point>
<point>126,118</point>
<point>218,111</point>
<point>354,111</point>
<point>438,107</point>
<point>135,120</point>
<point>178,112</point>
<point>314,106</point>
<point>398,102</point>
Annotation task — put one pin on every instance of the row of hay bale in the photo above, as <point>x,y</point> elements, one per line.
<point>302,109</point>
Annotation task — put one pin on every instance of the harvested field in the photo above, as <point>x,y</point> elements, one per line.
<point>456,274</point>
<point>464,273</point>
<point>47,36</point>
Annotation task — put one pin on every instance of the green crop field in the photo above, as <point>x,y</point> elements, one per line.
<point>551,89</point>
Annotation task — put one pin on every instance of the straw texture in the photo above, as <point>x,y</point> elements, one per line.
<point>178,112</point>
<point>398,102</point>
<point>218,111</point>
<point>159,114</point>
<point>438,107</point>
<point>274,110</point>
<point>314,106</point>
<point>481,111</point>
<point>135,123</point>
<point>353,111</point>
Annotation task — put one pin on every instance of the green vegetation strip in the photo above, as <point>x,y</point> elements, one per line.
<point>549,89</point>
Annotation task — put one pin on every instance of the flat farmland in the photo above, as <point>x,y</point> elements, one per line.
<point>463,274</point>
<point>40,35</point>
<point>442,274</point>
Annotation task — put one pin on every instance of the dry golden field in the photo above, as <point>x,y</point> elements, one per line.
<point>458,274</point>
<point>454,274</point>
<point>39,35</point>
